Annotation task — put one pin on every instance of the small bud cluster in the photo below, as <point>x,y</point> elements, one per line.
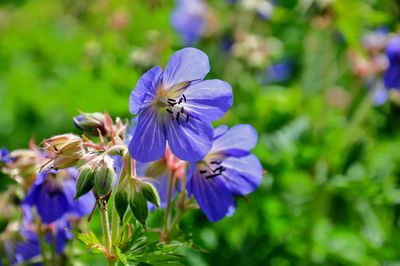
<point>135,193</point>
<point>98,174</point>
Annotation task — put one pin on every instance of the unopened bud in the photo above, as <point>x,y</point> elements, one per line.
<point>139,208</point>
<point>156,169</point>
<point>23,163</point>
<point>104,176</point>
<point>135,193</point>
<point>91,123</point>
<point>121,203</point>
<point>65,150</point>
<point>4,157</point>
<point>85,181</point>
<point>150,193</point>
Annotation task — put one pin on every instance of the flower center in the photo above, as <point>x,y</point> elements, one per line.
<point>177,110</point>
<point>211,169</point>
<point>173,101</point>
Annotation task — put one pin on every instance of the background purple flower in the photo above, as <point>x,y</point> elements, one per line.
<point>392,73</point>
<point>228,170</point>
<point>4,156</point>
<point>53,195</point>
<point>278,72</point>
<point>23,251</point>
<point>177,105</point>
<point>189,20</point>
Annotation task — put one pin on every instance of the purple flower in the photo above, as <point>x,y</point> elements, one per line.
<point>53,195</point>
<point>278,72</point>
<point>177,105</point>
<point>57,234</point>
<point>25,250</point>
<point>392,73</point>
<point>227,171</point>
<point>189,20</point>
<point>4,156</point>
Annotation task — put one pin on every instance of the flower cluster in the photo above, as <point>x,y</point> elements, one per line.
<point>170,149</point>
<point>176,106</point>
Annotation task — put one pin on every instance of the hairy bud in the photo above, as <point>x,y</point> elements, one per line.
<point>85,181</point>
<point>64,150</point>
<point>104,176</point>
<point>90,123</point>
<point>135,193</point>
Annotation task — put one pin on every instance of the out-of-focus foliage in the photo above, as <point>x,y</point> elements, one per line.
<point>331,192</point>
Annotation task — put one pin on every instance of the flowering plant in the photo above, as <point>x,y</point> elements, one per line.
<point>169,157</point>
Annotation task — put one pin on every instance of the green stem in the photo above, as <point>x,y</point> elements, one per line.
<point>358,117</point>
<point>181,206</point>
<point>112,262</point>
<point>128,166</point>
<point>53,249</point>
<point>105,226</point>
<point>42,242</point>
<point>165,231</point>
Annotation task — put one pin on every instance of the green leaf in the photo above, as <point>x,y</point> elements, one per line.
<point>121,256</point>
<point>91,242</point>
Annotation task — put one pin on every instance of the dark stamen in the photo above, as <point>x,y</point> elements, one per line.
<point>177,117</point>
<point>184,97</point>
<point>169,111</point>
<point>212,176</point>
<point>171,100</point>
<point>182,110</point>
<point>171,104</point>
<point>187,118</point>
<point>203,171</point>
<point>180,100</point>
<point>216,162</point>
<point>219,169</point>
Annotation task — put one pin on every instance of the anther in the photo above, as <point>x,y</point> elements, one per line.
<point>177,118</point>
<point>182,110</point>
<point>169,111</point>
<point>180,100</point>
<point>184,97</point>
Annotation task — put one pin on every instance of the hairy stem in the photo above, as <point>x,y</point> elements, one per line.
<point>42,242</point>
<point>105,226</point>
<point>164,237</point>
<point>181,206</point>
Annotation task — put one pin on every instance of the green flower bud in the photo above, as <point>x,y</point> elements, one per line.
<point>156,169</point>
<point>104,177</point>
<point>138,205</point>
<point>150,193</point>
<point>121,203</point>
<point>90,123</point>
<point>135,193</point>
<point>85,181</point>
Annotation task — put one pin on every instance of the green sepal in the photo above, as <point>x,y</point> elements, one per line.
<point>85,182</point>
<point>150,193</point>
<point>138,205</point>
<point>121,203</point>
<point>103,180</point>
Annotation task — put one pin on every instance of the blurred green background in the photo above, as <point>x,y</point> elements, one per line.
<point>331,192</point>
